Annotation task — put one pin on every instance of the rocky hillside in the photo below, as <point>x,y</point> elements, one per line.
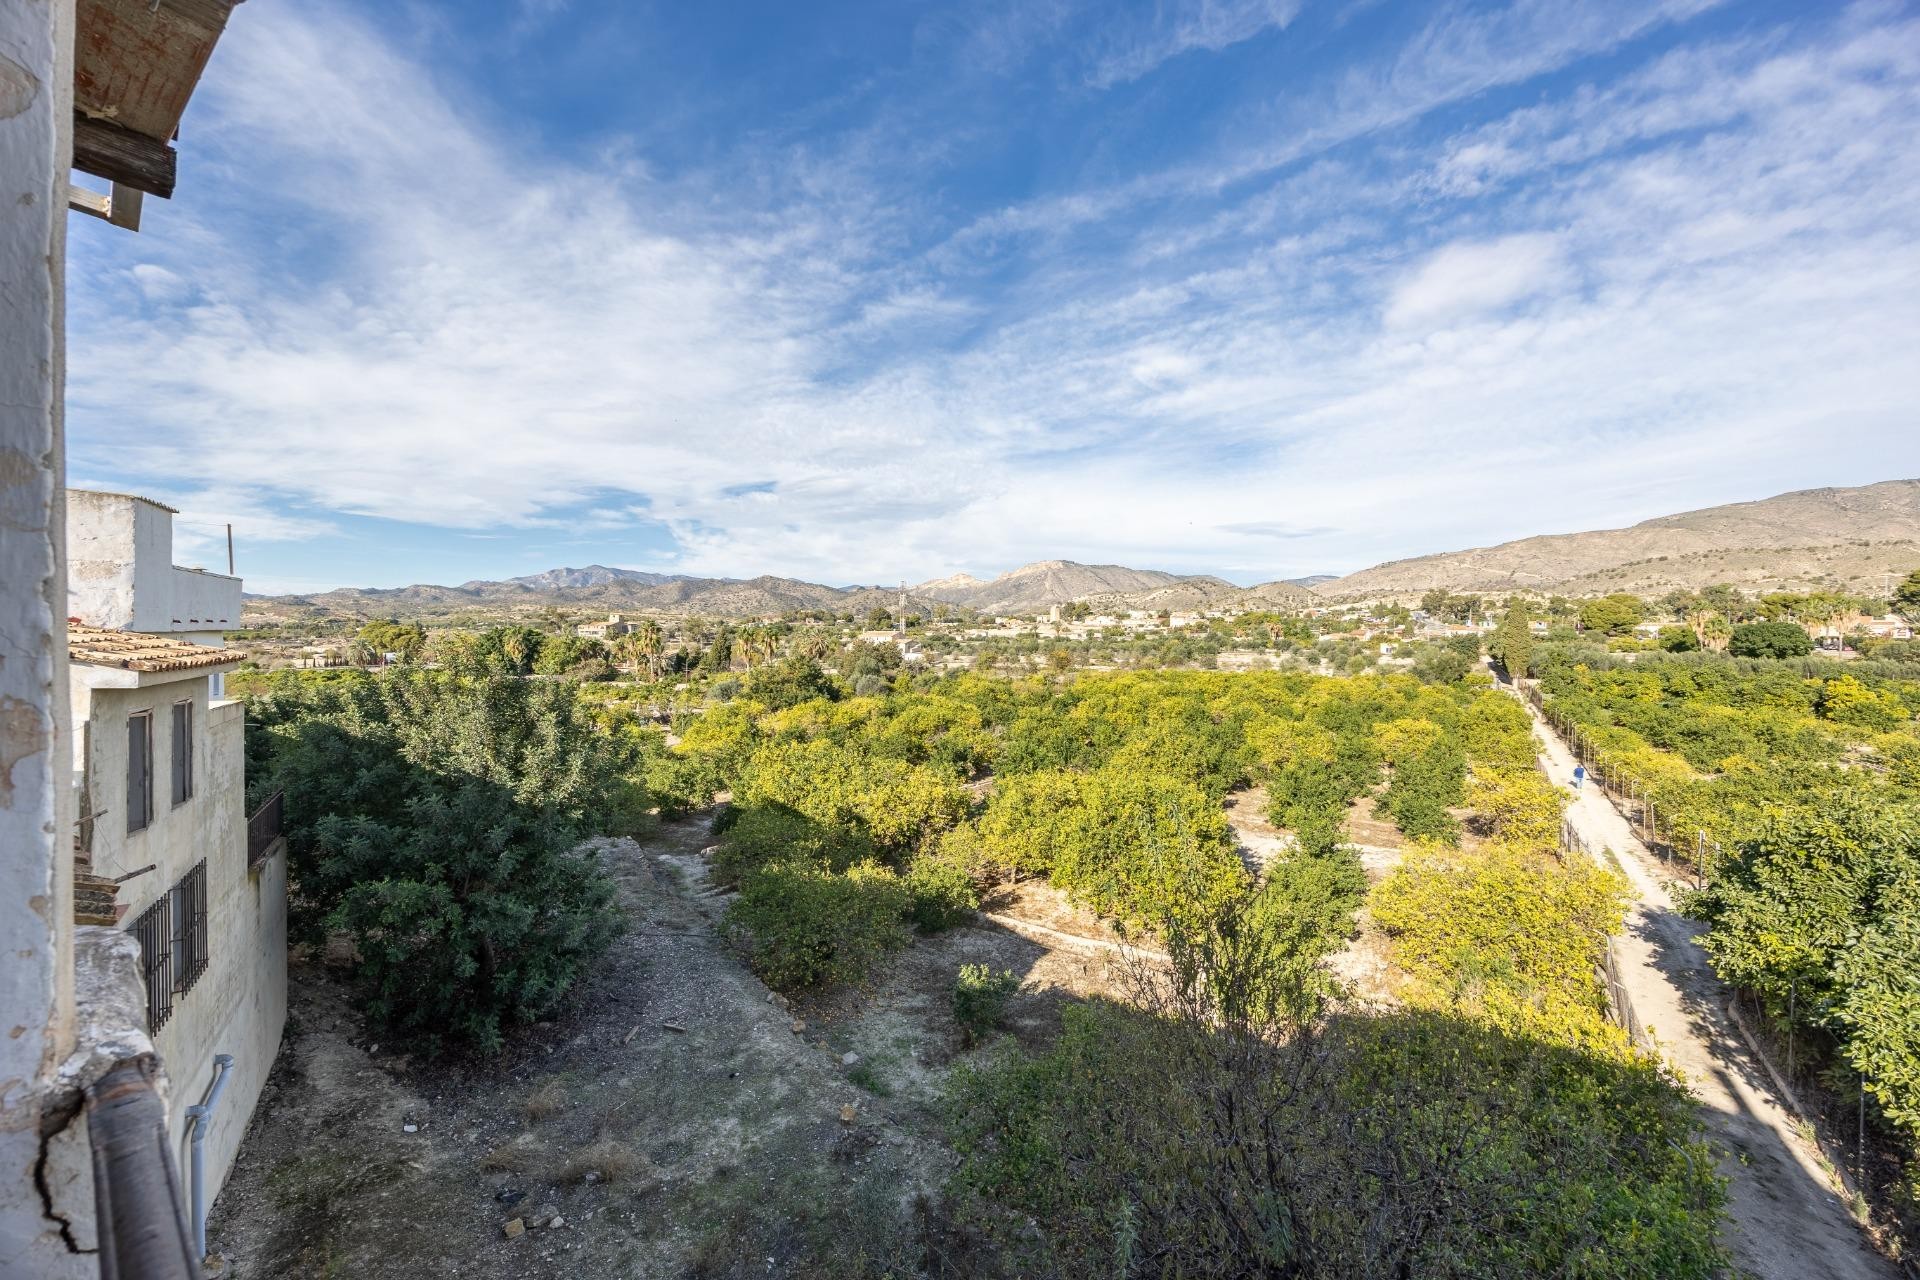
<point>594,575</point>
<point>1845,539</point>
<point>1026,590</point>
<point>597,588</point>
<point>1048,582</point>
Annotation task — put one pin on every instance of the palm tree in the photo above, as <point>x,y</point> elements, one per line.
<point>770,639</point>
<point>645,642</point>
<point>746,645</point>
<point>1712,631</point>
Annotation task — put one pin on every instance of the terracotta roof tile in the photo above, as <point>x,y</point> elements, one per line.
<point>141,651</point>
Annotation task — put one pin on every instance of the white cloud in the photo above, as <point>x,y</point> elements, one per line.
<point>1183,26</point>
<point>405,314</point>
<point>1469,277</point>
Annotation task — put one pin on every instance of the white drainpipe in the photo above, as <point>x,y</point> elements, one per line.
<point>198,1115</point>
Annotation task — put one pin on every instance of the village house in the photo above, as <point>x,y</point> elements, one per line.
<point>1888,626</point>
<point>615,626</point>
<point>165,845</point>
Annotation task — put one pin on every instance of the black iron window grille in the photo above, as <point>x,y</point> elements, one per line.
<point>154,928</point>
<point>190,927</point>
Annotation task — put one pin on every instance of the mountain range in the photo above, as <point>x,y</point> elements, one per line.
<point>1838,538</point>
<point>1028,589</point>
<point>1847,539</point>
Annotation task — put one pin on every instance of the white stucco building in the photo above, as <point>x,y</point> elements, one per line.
<point>163,845</point>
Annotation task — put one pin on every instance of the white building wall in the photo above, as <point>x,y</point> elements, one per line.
<point>36,863</point>
<point>238,1005</point>
<point>202,605</point>
<point>121,572</point>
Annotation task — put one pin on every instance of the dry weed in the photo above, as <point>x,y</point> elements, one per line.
<point>550,1099</point>
<point>512,1156</point>
<point>613,1161</point>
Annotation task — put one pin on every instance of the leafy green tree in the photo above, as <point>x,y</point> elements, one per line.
<point>1845,700</point>
<point>578,656</point>
<point>790,682</point>
<point>1613,615</point>
<point>644,645</point>
<point>1769,640</point>
<point>1512,641</point>
<point>1906,596</point>
<point>519,646</point>
<point>1215,1125</point>
<point>1726,600</point>
<point>408,640</point>
<point>1816,912</point>
<point>435,819</point>
<point>1679,638</point>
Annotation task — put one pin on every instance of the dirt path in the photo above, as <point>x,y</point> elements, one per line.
<point>672,1120</point>
<point>1786,1221</point>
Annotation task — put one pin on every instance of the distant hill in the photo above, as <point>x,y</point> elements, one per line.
<point>1840,539</point>
<point>1045,583</point>
<point>594,575</point>
<point>1029,589</point>
<point>1836,539</point>
<point>595,587</point>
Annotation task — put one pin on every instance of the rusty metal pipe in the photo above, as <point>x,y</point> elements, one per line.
<point>136,1187</point>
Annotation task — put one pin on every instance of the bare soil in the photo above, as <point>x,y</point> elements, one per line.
<point>677,1119</point>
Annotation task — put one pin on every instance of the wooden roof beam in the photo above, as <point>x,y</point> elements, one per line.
<point>108,150</point>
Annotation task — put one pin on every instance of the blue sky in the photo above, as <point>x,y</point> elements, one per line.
<point>864,291</point>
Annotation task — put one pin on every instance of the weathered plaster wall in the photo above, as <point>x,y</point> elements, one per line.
<point>202,602</point>
<point>120,570</point>
<point>36,871</point>
<point>239,1005</point>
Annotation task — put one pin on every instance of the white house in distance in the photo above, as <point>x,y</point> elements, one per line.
<point>165,845</point>
<point>614,627</point>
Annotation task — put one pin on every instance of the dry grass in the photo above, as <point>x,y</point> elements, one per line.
<point>512,1156</point>
<point>550,1099</point>
<point>613,1161</point>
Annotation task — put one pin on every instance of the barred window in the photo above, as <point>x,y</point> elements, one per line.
<point>189,932</point>
<point>153,927</point>
<point>182,752</point>
<point>139,771</point>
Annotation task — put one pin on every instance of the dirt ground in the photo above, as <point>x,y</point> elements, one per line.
<point>676,1120</point>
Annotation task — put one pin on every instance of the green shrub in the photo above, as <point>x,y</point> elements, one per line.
<point>1819,913</point>
<point>1506,935</point>
<point>942,893</point>
<point>1770,640</point>
<point>434,818</point>
<point>899,806</point>
<point>801,925</point>
<point>757,835</point>
<point>1143,848</point>
<point>1162,1143</point>
<point>980,999</point>
<point>790,682</point>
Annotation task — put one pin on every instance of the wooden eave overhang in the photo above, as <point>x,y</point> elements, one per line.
<point>136,64</point>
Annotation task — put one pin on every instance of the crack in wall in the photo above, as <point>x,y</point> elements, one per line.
<point>62,1111</point>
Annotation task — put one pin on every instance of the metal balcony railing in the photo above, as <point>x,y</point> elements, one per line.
<point>264,827</point>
